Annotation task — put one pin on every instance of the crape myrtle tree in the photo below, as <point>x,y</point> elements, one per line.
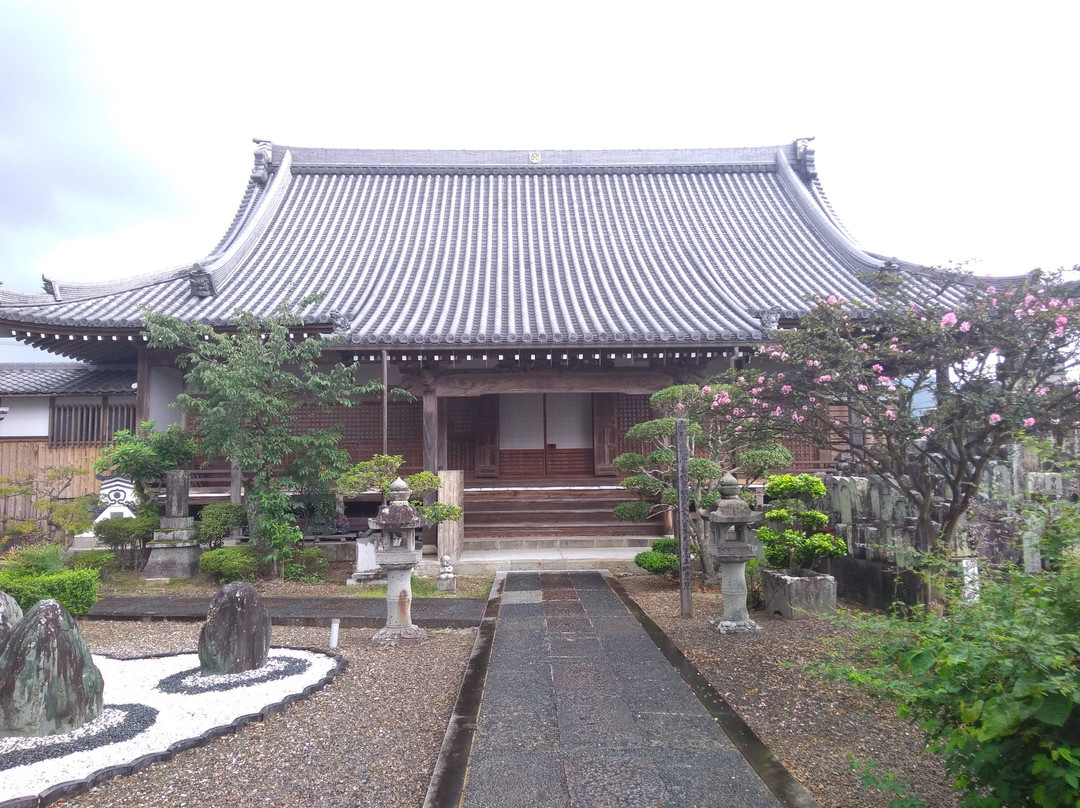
<point>934,389</point>
<point>718,441</point>
<point>246,388</point>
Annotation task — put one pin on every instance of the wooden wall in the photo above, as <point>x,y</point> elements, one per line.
<point>33,455</point>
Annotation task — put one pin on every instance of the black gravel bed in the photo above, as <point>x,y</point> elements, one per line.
<point>353,612</point>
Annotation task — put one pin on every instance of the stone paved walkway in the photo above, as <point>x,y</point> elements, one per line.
<point>581,708</point>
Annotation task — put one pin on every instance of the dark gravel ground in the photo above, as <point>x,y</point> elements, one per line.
<point>817,727</point>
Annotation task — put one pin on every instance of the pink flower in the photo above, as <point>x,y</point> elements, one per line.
<point>1042,391</point>
<point>883,380</point>
<point>891,388</point>
<point>928,431</point>
<point>680,406</point>
<point>993,301</point>
<point>706,390</point>
<point>866,421</point>
<point>831,299</point>
<point>995,418</point>
<point>761,380</point>
<point>890,414</point>
<point>778,412</point>
<point>863,388</point>
<point>1029,422</point>
<point>824,377</point>
<point>877,368</point>
<point>948,320</point>
<point>991,289</point>
<point>785,389</point>
<point>965,326</point>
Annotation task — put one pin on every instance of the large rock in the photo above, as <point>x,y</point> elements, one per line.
<point>236,635</point>
<point>48,682</point>
<point>10,615</point>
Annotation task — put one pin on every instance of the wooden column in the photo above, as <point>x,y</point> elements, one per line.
<point>431,447</point>
<point>142,390</point>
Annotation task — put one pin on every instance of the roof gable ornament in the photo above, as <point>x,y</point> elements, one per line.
<point>804,157</point>
<point>342,324</point>
<point>770,317</point>
<point>51,287</point>
<point>202,282</point>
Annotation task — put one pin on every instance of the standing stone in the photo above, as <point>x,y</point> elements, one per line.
<point>10,615</point>
<point>49,683</point>
<point>236,635</point>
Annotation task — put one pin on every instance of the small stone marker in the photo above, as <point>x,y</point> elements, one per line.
<point>236,635</point>
<point>10,615</point>
<point>49,683</point>
<point>447,582</point>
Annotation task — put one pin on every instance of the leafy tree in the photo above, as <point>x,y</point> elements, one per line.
<point>246,388</point>
<point>145,455</point>
<point>717,439</point>
<point>934,388</point>
<point>379,473</point>
<point>53,510</point>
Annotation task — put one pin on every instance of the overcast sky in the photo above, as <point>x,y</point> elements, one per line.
<point>946,132</point>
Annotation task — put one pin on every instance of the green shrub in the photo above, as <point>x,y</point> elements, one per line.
<point>657,563</point>
<point>75,590</point>
<point>127,537</point>
<point>671,546</point>
<point>216,521</point>
<point>40,559</point>
<point>307,565</point>
<point>91,560</point>
<point>229,564</point>
<point>994,684</point>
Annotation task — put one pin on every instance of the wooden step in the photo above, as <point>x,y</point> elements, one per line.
<point>522,513</point>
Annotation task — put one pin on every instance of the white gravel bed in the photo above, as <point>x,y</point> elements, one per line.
<point>369,739</point>
<point>200,705</point>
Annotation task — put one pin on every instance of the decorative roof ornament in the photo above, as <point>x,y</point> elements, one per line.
<point>202,282</point>
<point>342,324</point>
<point>51,287</point>
<point>260,173</point>
<point>770,317</point>
<point>804,156</point>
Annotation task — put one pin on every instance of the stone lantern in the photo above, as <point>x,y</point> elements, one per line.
<point>729,545</point>
<point>395,552</point>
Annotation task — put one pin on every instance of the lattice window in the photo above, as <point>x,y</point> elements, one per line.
<point>90,424</point>
<point>630,410</point>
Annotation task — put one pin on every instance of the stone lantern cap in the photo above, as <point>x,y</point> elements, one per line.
<point>730,509</point>
<point>399,514</point>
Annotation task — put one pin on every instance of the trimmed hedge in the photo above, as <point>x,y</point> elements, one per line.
<point>75,590</point>
<point>229,564</point>
<point>307,565</point>
<point>657,563</point>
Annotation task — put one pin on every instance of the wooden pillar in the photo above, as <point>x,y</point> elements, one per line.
<point>142,389</point>
<point>431,428</point>
<point>431,447</point>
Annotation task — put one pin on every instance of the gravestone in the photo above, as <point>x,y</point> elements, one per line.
<point>236,635</point>
<point>49,683</point>
<point>174,551</point>
<point>10,615</point>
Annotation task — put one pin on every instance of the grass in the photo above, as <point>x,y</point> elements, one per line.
<point>468,586</point>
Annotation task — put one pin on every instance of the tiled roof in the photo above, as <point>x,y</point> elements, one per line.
<point>489,247</point>
<point>64,378</point>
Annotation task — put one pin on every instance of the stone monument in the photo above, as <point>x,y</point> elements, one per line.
<point>395,552</point>
<point>236,635</point>
<point>729,544</point>
<point>447,582</point>
<point>174,551</point>
<point>49,683</point>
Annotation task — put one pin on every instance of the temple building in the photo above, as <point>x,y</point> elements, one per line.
<point>530,300</point>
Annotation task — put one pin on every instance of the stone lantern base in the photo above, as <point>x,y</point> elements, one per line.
<point>399,629</point>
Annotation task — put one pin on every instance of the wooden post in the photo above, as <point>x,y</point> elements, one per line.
<point>385,401</point>
<point>452,532</point>
<point>682,520</point>
<point>431,449</point>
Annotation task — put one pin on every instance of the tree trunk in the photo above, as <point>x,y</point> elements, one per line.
<point>700,528</point>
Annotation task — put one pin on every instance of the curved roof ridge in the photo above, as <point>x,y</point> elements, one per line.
<point>86,291</point>
<point>819,219</point>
